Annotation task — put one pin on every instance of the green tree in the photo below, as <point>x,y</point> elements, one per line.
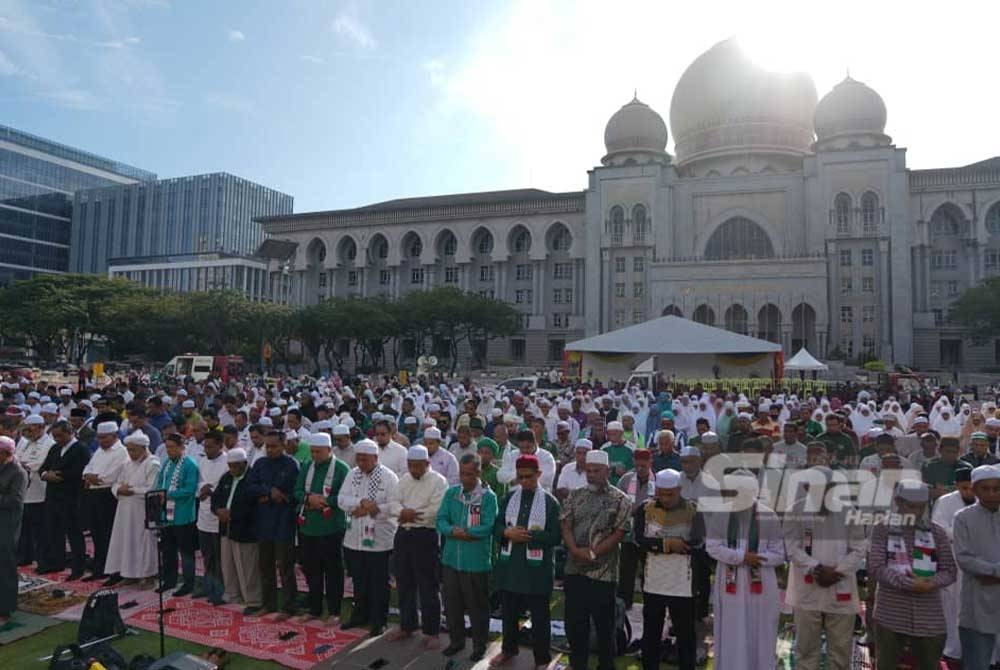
<point>978,309</point>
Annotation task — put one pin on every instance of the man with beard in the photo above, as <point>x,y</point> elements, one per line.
<point>945,509</point>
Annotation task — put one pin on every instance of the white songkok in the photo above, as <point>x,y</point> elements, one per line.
<point>37,420</point>
<point>432,434</point>
<point>597,457</point>
<point>913,491</point>
<point>417,452</point>
<point>690,451</point>
<point>584,443</point>
<point>237,455</point>
<point>138,437</point>
<point>188,404</point>
<point>320,440</point>
<point>615,425</point>
<point>366,447</point>
<point>668,479</point>
<point>985,472</point>
<point>105,427</point>
<point>341,430</point>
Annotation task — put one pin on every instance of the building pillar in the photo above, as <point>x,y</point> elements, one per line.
<point>538,282</point>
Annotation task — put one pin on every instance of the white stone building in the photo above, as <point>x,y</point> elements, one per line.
<point>780,215</point>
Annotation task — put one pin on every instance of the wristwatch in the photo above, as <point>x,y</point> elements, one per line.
<point>593,556</point>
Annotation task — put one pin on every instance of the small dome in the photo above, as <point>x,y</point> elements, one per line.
<point>725,103</point>
<point>851,108</point>
<point>635,127</point>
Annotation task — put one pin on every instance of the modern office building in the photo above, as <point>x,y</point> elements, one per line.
<point>154,222</point>
<point>781,215</point>
<point>38,178</point>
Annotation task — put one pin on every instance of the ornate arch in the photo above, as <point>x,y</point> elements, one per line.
<point>558,238</point>
<point>519,240</point>
<point>482,242</point>
<point>673,310</point>
<point>738,238</point>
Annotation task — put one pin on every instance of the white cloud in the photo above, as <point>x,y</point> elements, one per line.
<point>7,68</point>
<point>236,36</point>
<point>352,30</point>
<point>310,58</point>
<point>132,40</point>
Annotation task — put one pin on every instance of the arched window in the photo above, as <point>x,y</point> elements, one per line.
<point>704,314</point>
<point>672,310</point>
<point>869,212</point>
<point>380,248</point>
<point>736,319</point>
<point>484,243</point>
<point>738,238</point>
<point>321,255</point>
<point>417,248</point>
<point>842,212</point>
<point>617,225</point>
<point>945,222</point>
<point>561,239</point>
<point>522,242</point>
<point>348,249</point>
<point>450,245</point>
<point>993,220</point>
<point>639,224</point>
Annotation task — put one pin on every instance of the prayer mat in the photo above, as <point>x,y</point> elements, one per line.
<point>25,624</point>
<point>253,636</point>
<point>126,597</point>
<point>46,602</point>
<point>61,579</point>
<point>29,581</point>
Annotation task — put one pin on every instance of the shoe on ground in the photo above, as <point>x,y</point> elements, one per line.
<point>477,655</point>
<point>397,634</point>
<point>251,611</point>
<point>113,580</point>
<point>182,591</point>
<point>502,659</point>
<point>451,650</point>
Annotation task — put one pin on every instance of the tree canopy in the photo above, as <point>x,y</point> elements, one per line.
<point>978,309</point>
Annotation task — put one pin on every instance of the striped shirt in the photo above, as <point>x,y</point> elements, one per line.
<point>897,607</point>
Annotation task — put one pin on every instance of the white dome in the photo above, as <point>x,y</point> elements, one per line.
<point>725,103</point>
<point>636,127</point>
<point>851,108</point>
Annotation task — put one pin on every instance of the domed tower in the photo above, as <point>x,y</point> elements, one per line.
<point>635,134</point>
<point>726,106</point>
<point>850,116</point>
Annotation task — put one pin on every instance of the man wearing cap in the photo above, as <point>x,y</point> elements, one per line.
<point>564,443</point>
<point>910,561</point>
<point>619,452</point>
<point>594,520</point>
<point>825,549</point>
<point>527,529</point>
<point>343,447</point>
<point>132,551</point>
<point>639,485</point>
<point>928,450</point>
<point>178,477</point>
<point>237,513</point>
<point>943,514</point>
<point>992,427</point>
<point>665,457</point>
<point>211,466</point>
<point>98,504</point>
<point>977,551</point>
<point>441,460</point>
<point>979,450</point>
<point>13,484</point>
<point>416,548</point>
<point>526,447</point>
<point>322,525</point>
<point>62,472</point>
<point>939,472</point>
<point>366,497</point>
<point>668,530</point>
<point>391,454</point>
<point>272,483</point>
<point>466,520</point>
<point>31,452</point>
<point>573,475</point>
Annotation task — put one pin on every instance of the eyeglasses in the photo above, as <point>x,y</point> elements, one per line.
<point>525,477</point>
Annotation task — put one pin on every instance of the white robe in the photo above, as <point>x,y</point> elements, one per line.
<point>945,509</point>
<point>746,624</point>
<point>132,552</point>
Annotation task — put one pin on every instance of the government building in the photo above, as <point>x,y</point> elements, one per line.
<point>780,214</point>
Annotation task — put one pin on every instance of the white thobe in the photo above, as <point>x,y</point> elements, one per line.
<point>746,624</point>
<point>209,472</point>
<point>945,509</point>
<point>346,455</point>
<point>445,464</point>
<point>356,487</point>
<point>571,477</point>
<point>31,455</point>
<point>132,551</point>
<point>107,464</point>
<point>393,456</point>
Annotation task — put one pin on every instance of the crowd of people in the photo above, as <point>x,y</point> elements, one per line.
<point>869,515</point>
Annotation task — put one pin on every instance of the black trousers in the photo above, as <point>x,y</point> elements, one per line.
<point>370,572</point>
<point>100,507</point>
<point>418,578</point>
<point>210,545</point>
<point>682,614</point>
<point>703,565</point>
<point>178,540</point>
<point>588,599</point>
<point>467,592</point>
<point>537,604</point>
<point>628,565</point>
<point>33,545</point>
<point>281,554</point>
<point>62,520</point>
<point>323,563</point>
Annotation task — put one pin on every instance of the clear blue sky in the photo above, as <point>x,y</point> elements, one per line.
<point>345,103</point>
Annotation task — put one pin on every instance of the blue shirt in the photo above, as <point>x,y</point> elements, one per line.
<point>275,521</point>
<point>183,495</point>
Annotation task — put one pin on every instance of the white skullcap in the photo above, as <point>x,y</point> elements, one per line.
<point>103,428</point>
<point>188,404</point>
<point>366,447</point>
<point>182,392</point>
<point>512,418</point>
<point>266,421</point>
<point>34,395</point>
<point>37,420</point>
<point>274,411</point>
<point>434,407</point>
<point>690,451</point>
<point>341,430</point>
<point>410,421</point>
<point>597,457</point>
<point>913,491</point>
<point>432,434</point>
<point>584,443</point>
<point>985,472</point>
<point>992,422</point>
<point>562,424</point>
<point>377,416</point>
<point>668,479</point>
<point>347,421</point>
<point>325,424</point>
<point>615,425</point>
<point>50,408</point>
<point>417,452</point>
<point>320,440</point>
<point>138,437</point>
<point>65,391</point>
<point>708,437</point>
<point>429,421</point>
<point>744,415</point>
<point>7,445</point>
<point>237,455</point>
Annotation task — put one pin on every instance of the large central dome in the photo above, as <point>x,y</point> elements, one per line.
<point>725,104</point>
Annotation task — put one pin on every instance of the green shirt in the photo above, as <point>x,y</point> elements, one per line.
<point>489,477</point>
<point>182,497</point>
<point>512,573</point>
<point>840,447</point>
<point>618,455</point>
<point>938,473</point>
<point>465,555</point>
<point>303,455</point>
<point>316,524</point>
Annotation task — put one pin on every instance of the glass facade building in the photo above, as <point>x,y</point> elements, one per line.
<point>201,214</point>
<point>38,179</point>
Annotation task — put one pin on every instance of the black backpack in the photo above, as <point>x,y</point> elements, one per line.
<point>101,617</point>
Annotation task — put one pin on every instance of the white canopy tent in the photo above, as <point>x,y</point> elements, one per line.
<point>803,361</point>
